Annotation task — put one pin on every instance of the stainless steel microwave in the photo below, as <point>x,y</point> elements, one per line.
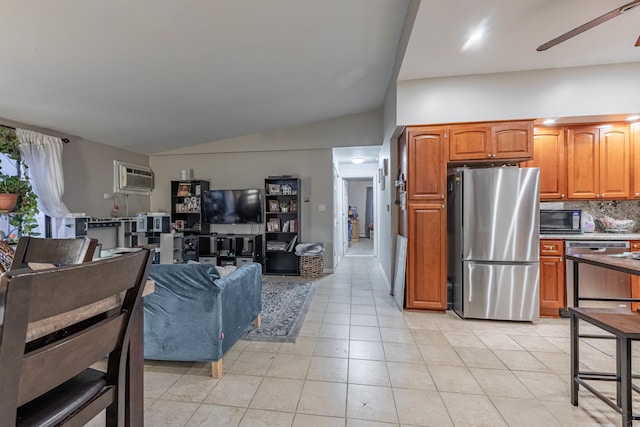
<point>561,221</point>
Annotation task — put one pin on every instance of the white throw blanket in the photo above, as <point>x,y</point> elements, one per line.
<point>309,249</point>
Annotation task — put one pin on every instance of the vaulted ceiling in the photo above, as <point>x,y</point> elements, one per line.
<point>151,76</point>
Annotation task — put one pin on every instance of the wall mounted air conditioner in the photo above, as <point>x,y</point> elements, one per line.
<point>132,179</point>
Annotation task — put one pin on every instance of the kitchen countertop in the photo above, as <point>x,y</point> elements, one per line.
<point>593,236</point>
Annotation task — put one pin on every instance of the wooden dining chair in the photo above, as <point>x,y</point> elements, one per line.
<point>48,380</point>
<point>53,251</point>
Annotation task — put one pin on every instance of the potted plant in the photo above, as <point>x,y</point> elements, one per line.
<point>11,187</point>
<point>21,218</point>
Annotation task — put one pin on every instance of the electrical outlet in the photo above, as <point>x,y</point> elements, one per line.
<point>108,195</point>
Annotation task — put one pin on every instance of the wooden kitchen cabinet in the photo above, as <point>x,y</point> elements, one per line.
<point>484,142</point>
<point>549,156</point>
<point>598,160</point>
<point>552,278</point>
<point>634,246</point>
<point>470,142</point>
<point>426,286</point>
<point>426,173</point>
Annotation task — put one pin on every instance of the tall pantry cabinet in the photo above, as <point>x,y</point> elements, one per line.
<point>423,159</point>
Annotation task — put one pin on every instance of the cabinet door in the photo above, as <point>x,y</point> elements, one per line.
<point>469,142</point>
<point>583,159</point>
<point>614,162</point>
<point>426,177</point>
<point>552,278</point>
<point>512,140</point>
<point>426,286</point>
<point>548,155</point>
<point>635,142</point>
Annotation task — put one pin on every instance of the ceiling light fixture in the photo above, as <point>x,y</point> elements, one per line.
<point>357,160</point>
<point>548,121</point>
<point>633,118</point>
<point>473,39</point>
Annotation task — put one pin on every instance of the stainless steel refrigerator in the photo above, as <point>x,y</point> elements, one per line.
<point>493,243</point>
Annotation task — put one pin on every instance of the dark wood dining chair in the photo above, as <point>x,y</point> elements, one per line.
<point>53,251</point>
<point>49,380</point>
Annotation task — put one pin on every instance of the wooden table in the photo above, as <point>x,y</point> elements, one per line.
<point>621,324</point>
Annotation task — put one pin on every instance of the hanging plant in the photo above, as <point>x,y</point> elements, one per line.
<point>22,217</point>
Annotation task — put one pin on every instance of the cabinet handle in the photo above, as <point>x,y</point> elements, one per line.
<point>637,194</point>
<point>493,155</point>
<point>603,195</point>
<point>442,196</point>
<point>489,155</point>
<point>562,195</point>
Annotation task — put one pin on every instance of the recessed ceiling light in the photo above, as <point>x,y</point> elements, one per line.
<point>633,118</point>
<point>548,121</point>
<point>474,38</point>
<point>357,160</point>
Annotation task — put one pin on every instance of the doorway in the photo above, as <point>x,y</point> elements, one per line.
<point>360,212</point>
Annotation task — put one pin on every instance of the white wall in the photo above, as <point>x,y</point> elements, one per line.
<point>581,91</point>
<point>88,175</point>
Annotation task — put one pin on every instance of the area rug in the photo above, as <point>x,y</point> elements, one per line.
<point>284,307</point>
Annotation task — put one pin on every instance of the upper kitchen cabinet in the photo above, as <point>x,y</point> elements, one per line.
<point>470,142</point>
<point>549,156</point>
<point>426,173</point>
<point>598,160</point>
<point>482,142</point>
<point>635,138</point>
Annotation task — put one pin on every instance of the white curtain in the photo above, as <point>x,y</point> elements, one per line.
<point>43,156</point>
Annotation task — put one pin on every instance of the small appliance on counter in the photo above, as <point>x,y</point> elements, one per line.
<point>560,221</point>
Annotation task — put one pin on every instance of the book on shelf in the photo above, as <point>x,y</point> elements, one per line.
<point>292,244</point>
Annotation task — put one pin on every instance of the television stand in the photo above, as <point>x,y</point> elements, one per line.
<point>230,249</point>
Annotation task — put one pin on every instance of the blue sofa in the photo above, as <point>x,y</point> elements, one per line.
<point>194,315</point>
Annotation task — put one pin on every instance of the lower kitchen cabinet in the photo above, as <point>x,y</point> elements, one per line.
<point>426,286</point>
<point>552,278</point>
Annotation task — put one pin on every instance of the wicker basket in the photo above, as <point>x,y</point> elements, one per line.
<point>311,266</point>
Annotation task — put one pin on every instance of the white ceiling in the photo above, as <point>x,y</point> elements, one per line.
<point>151,76</point>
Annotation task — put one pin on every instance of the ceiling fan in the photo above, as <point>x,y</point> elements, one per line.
<point>584,27</point>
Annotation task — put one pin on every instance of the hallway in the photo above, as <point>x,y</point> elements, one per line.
<point>361,247</point>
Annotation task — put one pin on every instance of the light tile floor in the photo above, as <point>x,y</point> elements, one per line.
<point>361,362</point>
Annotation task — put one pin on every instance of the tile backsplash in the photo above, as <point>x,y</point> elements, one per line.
<point>616,209</point>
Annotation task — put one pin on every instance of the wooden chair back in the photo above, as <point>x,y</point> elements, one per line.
<point>53,251</point>
<point>49,377</point>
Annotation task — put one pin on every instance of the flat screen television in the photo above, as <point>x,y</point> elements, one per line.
<point>232,206</point>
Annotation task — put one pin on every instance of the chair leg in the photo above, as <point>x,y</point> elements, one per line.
<point>216,369</point>
<point>257,321</point>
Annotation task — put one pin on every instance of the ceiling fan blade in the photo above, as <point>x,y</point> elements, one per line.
<point>637,42</point>
<point>584,27</point>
